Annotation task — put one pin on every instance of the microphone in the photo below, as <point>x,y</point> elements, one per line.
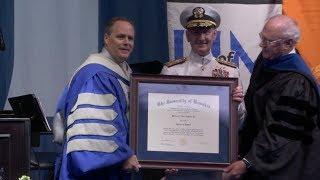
<point>2,45</point>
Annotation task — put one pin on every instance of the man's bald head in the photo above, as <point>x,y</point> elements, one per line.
<point>284,27</point>
<point>279,36</point>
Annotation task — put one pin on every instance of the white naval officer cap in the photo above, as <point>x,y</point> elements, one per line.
<point>199,15</point>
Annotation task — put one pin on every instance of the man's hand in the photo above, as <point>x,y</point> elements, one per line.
<point>169,172</point>
<point>237,94</point>
<point>132,164</point>
<point>235,170</point>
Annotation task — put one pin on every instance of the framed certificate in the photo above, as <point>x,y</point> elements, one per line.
<point>183,122</point>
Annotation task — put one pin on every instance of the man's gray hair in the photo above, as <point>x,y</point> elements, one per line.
<point>292,31</point>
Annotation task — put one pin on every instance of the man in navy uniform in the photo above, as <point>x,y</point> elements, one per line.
<point>201,23</point>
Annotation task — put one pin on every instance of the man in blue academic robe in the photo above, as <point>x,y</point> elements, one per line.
<point>94,107</point>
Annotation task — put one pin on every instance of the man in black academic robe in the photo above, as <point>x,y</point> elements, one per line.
<point>280,138</point>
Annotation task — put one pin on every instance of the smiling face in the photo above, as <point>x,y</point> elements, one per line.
<point>120,41</point>
<point>201,39</point>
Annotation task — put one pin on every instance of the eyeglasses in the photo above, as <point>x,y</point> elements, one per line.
<point>268,42</point>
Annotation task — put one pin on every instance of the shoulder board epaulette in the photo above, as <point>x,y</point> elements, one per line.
<point>175,62</point>
<point>225,62</point>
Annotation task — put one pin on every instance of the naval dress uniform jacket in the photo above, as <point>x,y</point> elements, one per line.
<point>208,66</point>
<point>195,65</point>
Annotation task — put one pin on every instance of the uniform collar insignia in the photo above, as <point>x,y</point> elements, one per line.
<point>195,58</point>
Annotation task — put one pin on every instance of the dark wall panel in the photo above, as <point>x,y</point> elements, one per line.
<point>150,18</point>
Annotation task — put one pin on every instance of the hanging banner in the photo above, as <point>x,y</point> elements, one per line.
<point>307,14</point>
<point>241,22</point>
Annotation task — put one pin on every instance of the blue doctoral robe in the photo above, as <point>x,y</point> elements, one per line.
<point>95,109</point>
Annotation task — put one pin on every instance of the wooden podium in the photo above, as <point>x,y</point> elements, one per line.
<point>14,146</point>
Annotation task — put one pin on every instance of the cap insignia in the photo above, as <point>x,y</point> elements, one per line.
<point>198,12</point>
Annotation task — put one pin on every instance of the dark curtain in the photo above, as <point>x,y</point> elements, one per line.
<point>6,56</point>
<point>150,19</point>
